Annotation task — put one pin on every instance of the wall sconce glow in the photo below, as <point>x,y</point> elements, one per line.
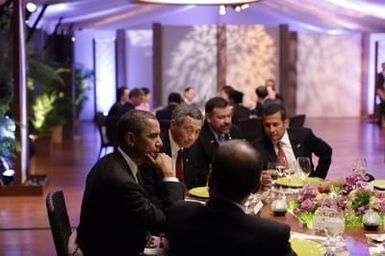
<point>204,2</point>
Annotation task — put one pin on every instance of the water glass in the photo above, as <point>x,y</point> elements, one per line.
<point>334,228</point>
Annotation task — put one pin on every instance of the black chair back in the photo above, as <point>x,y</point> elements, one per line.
<point>100,120</point>
<point>297,121</point>
<point>164,125</point>
<point>58,220</point>
<point>251,128</point>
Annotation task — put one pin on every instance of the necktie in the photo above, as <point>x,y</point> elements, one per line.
<point>281,157</point>
<point>221,139</point>
<point>179,166</point>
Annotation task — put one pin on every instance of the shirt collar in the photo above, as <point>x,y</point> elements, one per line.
<point>131,163</point>
<point>174,146</point>
<point>285,139</point>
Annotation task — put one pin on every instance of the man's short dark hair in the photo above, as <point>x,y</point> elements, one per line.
<point>184,110</point>
<point>133,121</point>
<point>188,88</point>
<point>235,170</point>
<point>136,92</point>
<point>121,91</point>
<point>175,97</point>
<point>236,96</point>
<point>273,108</point>
<point>145,90</point>
<point>216,102</point>
<point>261,91</point>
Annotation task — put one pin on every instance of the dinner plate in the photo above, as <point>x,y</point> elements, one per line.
<point>379,184</point>
<point>201,192</point>
<point>304,247</point>
<point>296,182</point>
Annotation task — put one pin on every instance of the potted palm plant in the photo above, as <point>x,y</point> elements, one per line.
<point>48,104</point>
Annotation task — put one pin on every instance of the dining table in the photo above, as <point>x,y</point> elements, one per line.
<point>355,239</point>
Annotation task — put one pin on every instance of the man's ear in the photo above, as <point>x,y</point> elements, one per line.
<point>130,139</point>
<point>173,123</point>
<point>207,115</point>
<point>286,123</point>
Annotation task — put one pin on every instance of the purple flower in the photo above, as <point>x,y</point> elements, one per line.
<point>362,209</point>
<point>381,206</point>
<point>308,192</point>
<point>341,203</point>
<point>307,205</point>
<point>297,210</point>
<point>355,181</point>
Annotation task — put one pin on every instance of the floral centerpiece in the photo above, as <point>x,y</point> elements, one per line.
<point>352,195</point>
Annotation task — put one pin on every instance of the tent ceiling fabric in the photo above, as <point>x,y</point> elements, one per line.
<point>333,16</point>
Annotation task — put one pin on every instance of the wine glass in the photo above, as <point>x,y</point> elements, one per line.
<point>281,166</point>
<point>303,167</point>
<point>334,227</point>
<point>359,165</point>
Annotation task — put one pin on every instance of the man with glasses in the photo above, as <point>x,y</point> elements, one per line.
<point>179,144</point>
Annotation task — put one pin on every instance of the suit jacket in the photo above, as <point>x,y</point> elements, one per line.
<point>207,146</point>
<point>304,143</point>
<point>222,228</point>
<point>240,112</point>
<point>116,212</point>
<point>152,177</point>
<point>165,113</point>
<point>116,111</point>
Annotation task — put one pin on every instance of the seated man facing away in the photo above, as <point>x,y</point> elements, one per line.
<point>290,143</point>
<point>179,144</point>
<point>116,213</point>
<point>221,227</point>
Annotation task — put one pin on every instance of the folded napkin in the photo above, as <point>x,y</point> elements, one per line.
<point>160,247</point>
<point>306,236</point>
<point>378,238</point>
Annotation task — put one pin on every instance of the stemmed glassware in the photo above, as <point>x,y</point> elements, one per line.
<point>334,227</point>
<point>359,165</point>
<point>303,167</point>
<point>281,167</point>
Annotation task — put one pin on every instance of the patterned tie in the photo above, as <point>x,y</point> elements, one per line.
<point>179,166</point>
<point>281,157</point>
<point>221,139</point>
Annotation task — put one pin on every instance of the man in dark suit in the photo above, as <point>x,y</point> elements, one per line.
<point>295,142</point>
<point>174,99</point>
<point>178,143</point>
<point>116,213</point>
<point>240,112</point>
<point>118,109</point>
<point>221,227</point>
<point>216,130</point>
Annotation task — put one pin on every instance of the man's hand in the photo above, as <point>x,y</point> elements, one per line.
<point>163,162</point>
<point>266,178</point>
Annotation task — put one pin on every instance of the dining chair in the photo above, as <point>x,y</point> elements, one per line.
<point>251,128</point>
<point>58,220</point>
<point>105,143</point>
<point>164,124</point>
<point>297,121</point>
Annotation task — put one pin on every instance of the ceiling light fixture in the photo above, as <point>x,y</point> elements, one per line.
<point>31,6</point>
<point>198,2</point>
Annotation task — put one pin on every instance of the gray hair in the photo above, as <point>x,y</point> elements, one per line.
<point>184,110</point>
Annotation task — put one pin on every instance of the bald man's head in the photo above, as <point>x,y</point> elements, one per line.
<point>235,171</point>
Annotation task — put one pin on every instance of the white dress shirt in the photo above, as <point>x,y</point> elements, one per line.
<point>289,153</point>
